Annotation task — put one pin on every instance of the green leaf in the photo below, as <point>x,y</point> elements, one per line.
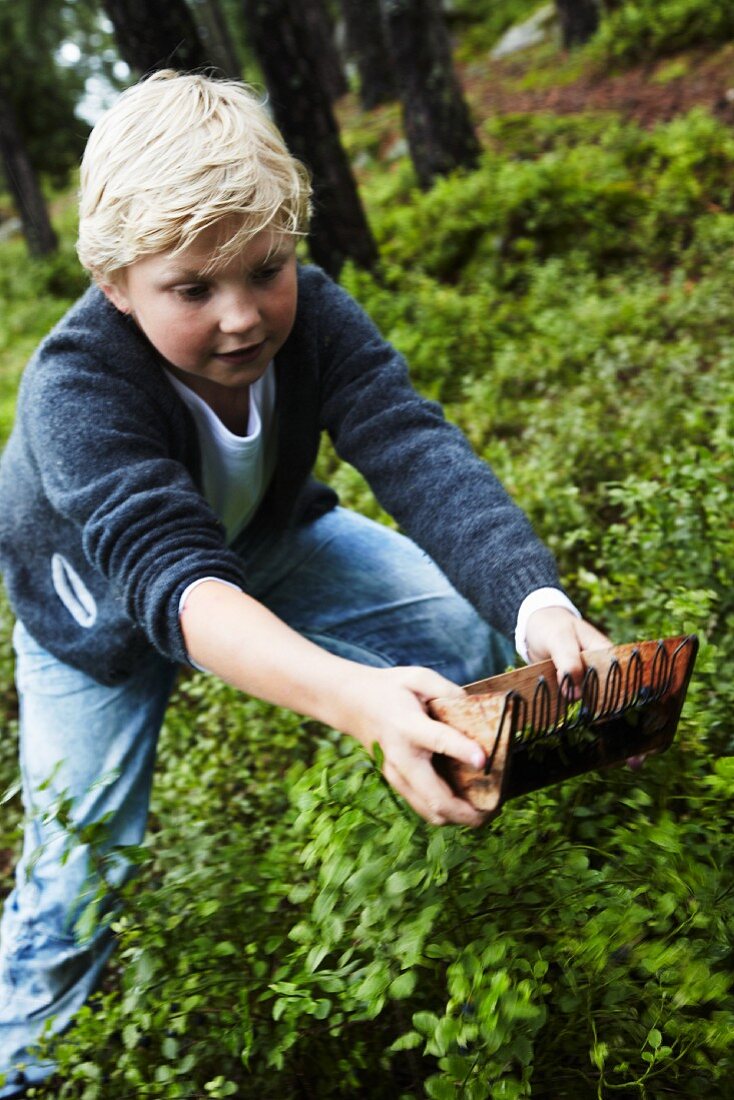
<point>654,1038</point>
<point>409,1041</point>
<point>130,1036</point>
<point>169,1049</point>
<point>403,986</point>
<point>425,1022</point>
<point>8,795</point>
<point>440,1087</point>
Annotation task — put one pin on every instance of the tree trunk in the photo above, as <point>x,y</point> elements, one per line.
<point>321,36</point>
<point>302,110</point>
<point>436,118</point>
<point>157,34</point>
<point>579,21</point>
<point>367,47</point>
<point>218,40</point>
<point>24,187</point>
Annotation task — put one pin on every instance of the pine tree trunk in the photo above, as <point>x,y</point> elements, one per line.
<point>157,34</point>
<point>321,35</point>
<point>302,110</point>
<point>217,38</point>
<point>437,124</point>
<point>24,187</point>
<point>367,47</point>
<point>579,21</point>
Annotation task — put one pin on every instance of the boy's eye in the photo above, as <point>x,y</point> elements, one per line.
<point>265,274</point>
<point>192,293</point>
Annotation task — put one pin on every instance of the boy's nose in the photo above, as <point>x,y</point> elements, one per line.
<point>239,313</point>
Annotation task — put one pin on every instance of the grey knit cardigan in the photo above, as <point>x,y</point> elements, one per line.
<point>102,519</point>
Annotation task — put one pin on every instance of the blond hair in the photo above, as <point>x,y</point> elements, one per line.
<point>176,154</point>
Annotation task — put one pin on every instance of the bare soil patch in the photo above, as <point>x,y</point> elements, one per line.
<point>647,94</point>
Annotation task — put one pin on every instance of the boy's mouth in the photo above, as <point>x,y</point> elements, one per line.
<point>241,355</point>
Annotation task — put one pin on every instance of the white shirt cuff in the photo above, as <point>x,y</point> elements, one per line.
<point>535,601</point>
<point>195,584</point>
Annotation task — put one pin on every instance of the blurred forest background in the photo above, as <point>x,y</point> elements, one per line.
<point>536,204</point>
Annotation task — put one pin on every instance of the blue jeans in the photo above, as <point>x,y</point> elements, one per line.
<point>354,587</point>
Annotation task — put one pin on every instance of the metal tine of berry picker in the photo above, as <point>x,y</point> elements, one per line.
<point>660,672</point>
<point>514,704</point>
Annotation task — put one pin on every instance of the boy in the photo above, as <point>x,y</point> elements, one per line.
<point>158,508</point>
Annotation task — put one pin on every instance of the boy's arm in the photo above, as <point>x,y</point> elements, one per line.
<point>232,635</point>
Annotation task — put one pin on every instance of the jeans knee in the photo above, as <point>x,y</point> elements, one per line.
<point>469,648</point>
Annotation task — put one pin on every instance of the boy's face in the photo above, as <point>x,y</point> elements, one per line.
<point>223,327</point>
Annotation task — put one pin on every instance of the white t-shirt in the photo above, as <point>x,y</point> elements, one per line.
<point>235,469</point>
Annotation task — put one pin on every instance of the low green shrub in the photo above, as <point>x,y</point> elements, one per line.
<point>549,187</point>
<point>328,943</point>
<point>641,30</point>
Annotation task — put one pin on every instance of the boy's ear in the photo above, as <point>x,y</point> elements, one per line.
<point>116,294</point>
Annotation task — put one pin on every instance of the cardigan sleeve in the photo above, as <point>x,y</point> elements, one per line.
<point>107,467</point>
<point>422,469</point>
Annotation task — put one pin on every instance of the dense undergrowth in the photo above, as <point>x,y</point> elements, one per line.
<point>294,930</point>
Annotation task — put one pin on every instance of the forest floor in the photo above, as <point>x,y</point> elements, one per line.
<point>544,79</point>
<point>540,80</point>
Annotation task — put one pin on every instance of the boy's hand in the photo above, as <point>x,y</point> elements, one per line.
<point>556,633</point>
<point>388,706</point>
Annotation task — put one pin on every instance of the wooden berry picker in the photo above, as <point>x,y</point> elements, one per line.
<point>536,733</point>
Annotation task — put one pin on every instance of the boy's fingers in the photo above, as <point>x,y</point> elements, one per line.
<point>565,653</point>
<point>558,634</point>
<point>590,637</point>
<point>569,665</point>
<point>565,649</point>
<point>428,684</point>
<point>448,741</point>
<point>430,797</point>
